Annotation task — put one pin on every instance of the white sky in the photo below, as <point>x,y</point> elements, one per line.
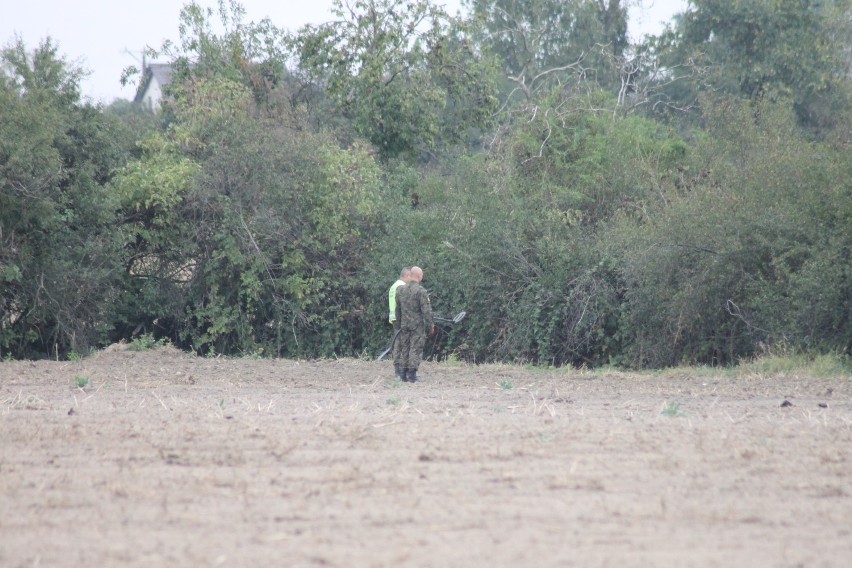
<point>105,36</point>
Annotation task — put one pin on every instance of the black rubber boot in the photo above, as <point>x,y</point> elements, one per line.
<point>400,373</point>
<point>411,375</point>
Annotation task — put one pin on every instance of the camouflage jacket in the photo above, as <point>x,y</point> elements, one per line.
<point>413,308</point>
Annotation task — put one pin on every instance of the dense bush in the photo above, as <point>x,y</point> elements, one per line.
<point>748,246</point>
<point>60,263</point>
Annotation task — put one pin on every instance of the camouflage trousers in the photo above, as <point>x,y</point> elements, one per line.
<point>397,351</point>
<point>410,343</point>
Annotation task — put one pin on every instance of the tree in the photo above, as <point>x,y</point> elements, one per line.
<point>543,43</point>
<point>243,235</point>
<point>747,245</point>
<point>59,258</point>
<point>401,71</point>
<point>249,53</point>
<point>788,49</point>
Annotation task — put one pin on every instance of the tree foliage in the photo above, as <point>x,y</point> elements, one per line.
<point>59,265</point>
<point>732,255</point>
<point>403,72</point>
<point>220,43</point>
<point>787,49</point>
<point>543,43</point>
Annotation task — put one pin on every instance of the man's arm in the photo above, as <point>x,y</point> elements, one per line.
<point>426,310</point>
<point>398,307</point>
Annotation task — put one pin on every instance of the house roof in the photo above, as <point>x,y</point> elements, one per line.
<point>160,72</point>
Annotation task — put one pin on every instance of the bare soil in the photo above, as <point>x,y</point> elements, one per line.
<point>165,459</point>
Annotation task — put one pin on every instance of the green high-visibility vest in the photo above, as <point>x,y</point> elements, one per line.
<point>392,300</point>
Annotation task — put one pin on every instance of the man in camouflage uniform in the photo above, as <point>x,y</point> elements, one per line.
<point>414,314</point>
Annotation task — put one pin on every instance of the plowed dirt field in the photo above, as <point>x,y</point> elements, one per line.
<point>165,459</point>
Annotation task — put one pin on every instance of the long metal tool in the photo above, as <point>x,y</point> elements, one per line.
<point>456,319</point>
<point>389,349</point>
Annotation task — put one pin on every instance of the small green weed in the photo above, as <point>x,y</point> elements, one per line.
<point>505,385</point>
<point>81,381</point>
<point>255,355</point>
<point>74,356</point>
<point>454,361</point>
<point>145,342</point>
<point>672,409</point>
<point>394,401</point>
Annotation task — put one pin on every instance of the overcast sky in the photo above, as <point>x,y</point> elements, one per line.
<point>104,36</point>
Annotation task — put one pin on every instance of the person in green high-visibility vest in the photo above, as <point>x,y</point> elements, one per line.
<point>404,276</point>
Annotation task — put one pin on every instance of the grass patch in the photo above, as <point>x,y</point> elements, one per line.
<point>452,360</point>
<point>700,371</point>
<point>505,385</point>
<point>785,361</point>
<point>672,410</point>
<point>81,381</point>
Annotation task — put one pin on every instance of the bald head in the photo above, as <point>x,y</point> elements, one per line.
<point>416,274</point>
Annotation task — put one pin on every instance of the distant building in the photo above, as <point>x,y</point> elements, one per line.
<point>155,78</point>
